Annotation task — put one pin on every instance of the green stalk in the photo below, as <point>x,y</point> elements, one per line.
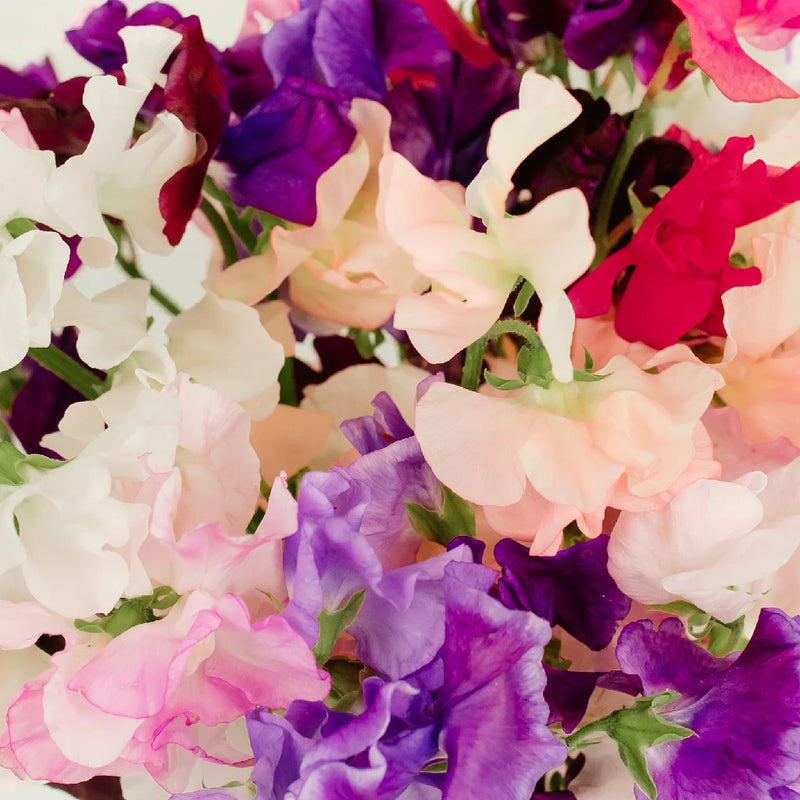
<point>69,370</point>
<point>221,230</point>
<point>165,302</point>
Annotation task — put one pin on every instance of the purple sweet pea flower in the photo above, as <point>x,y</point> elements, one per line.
<point>478,704</point>
<point>245,73</point>
<point>281,147</point>
<point>400,626</point>
<point>98,39</point>
<point>572,588</point>
<point>33,80</point>
<point>381,37</point>
<point>744,709</point>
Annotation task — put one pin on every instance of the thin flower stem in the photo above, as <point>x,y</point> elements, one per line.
<point>473,360</point>
<point>165,302</point>
<point>221,230</point>
<point>69,370</point>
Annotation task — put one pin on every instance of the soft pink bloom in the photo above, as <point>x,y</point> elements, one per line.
<point>13,125</point>
<point>111,706</point>
<point>343,268</point>
<point>626,441</point>
<point>471,272</point>
<point>715,29</point>
<point>761,361</point>
<point>716,544</point>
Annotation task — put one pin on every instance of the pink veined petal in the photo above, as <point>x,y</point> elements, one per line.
<point>717,52</point>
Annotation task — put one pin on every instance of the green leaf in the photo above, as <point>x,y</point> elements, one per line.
<point>457,518</point>
<point>726,637</point>
<point>12,461</point>
<point>366,341</point>
<point>131,612</point>
<point>588,361</point>
<point>625,67</point>
<point>681,607</point>
<point>438,766</point>
<point>526,292</point>
<point>552,655</point>
<point>332,623</point>
<point>582,376</point>
<point>635,730</point>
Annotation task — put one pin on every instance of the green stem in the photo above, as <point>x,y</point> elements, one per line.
<point>287,383</point>
<point>69,370</point>
<point>221,230</point>
<point>639,129</point>
<point>473,361</point>
<point>131,269</point>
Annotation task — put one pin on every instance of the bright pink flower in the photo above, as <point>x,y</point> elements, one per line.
<point>680,253</point>
<point>715,28</point>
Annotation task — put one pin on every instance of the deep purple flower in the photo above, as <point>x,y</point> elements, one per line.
<point>443,129</point>
<point>282,146</point>
<point>591,31</point>
<point>245,73</point>
<point>744,709</point>
<point>580,155</point>
<point>33,80</point>
<point>98,39</point>
<point>572,588</point>
<point>354,45</point>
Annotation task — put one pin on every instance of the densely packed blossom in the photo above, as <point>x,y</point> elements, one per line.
<point>466,466</point>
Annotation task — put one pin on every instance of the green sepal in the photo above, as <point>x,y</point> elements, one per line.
<point>437,767</point>
<point>552,655</point>
<point>526,292</point>
<point>457,518</point>
<point>16,227</point>
<point>332,623</point>
<point>640,211</point>
<point>681,607</point>
<point>131,612</point>
<point>582,376</point>
<point>504,384</point>
<point>635,730</point>
<point>345,683</point>
<point>625,67</point>
<point>366,341</point>
<point>11,462</point>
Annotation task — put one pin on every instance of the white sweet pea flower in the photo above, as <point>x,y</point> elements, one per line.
<point>32,270</point>
<point>112,176</point>
<point>61,530</point>
<point>222,344</point>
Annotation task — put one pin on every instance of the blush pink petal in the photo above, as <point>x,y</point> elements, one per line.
<point>716,50</point>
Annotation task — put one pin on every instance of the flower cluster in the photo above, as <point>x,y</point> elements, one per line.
<point>471,467</point>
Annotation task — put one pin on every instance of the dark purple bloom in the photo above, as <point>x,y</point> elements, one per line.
<point>245,73</point>
<point>443,129</point>
<point>355,45</point>
<point>572,588</point>
<point>591,31</point>
<point>282,146</point>
<point>33,80</point>
<point>568,693</point>
<point>744,709</point>
<point>580,155</point>
<point>98,39</point>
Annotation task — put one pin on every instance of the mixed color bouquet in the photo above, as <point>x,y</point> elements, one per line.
<point>472,468</point>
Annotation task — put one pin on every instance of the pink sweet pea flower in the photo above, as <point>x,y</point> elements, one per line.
<point>715,28</point>
<point>113,706</point>
<point>471,272</point>
<point>629,440</point>
<point>761,361</point>
<point>342,269</point>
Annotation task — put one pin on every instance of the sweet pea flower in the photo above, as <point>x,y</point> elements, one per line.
<point>158,692</point>
<point>626,441</point>
<point>728,755</point>
<point>112,177</point>
<point>472,273</point>
<point>64,537</point>
<point>716,544</point>
<point>761,360</point>
<point>343,268</point>
<point>680,252</point>
<point>716,28</point>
